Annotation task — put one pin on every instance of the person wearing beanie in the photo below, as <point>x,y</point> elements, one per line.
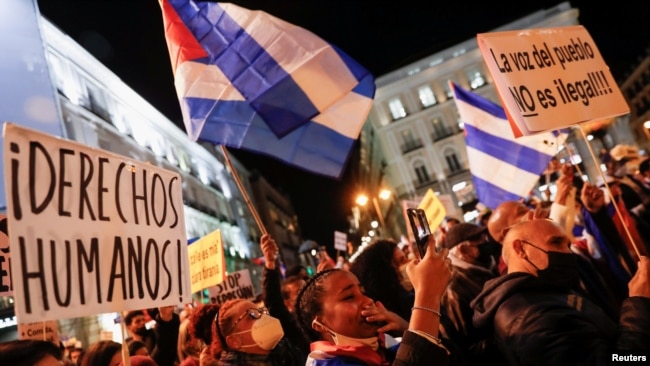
<point>473,264</point>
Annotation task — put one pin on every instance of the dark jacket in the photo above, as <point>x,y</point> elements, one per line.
<point>465,284</point>
<point>535,323</point>
<point>165,353</point>
<point>296,343</point>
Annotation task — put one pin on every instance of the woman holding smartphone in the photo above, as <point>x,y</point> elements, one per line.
<point>331,308</point>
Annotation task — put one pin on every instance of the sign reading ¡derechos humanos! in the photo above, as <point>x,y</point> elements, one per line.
<point>91,232</point>
<point>550,78</point>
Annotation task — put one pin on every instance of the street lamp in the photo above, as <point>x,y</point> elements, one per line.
<point>384,195</point>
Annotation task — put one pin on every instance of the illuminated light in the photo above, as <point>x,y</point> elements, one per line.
<point>646,125</point>
<point>371,233</point>
<point>458,186</point>
<point>590,137</point>
<point>469,216</point>
<point>362,199</point>
<point>313,252</point>
<point>232,251</point>
<point>374,224</point>
<point>384,194</point>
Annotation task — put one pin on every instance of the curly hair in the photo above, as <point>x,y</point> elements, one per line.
<point>380,279</point>
<point>220,323</point>
<point>309,302</point>
<point>201,319</point>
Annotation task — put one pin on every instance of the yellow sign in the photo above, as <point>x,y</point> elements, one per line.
<point>206,261</point>
<point>434,209</point>
<point>550,78</point>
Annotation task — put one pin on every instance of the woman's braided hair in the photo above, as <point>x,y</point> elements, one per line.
<point>309,302</point>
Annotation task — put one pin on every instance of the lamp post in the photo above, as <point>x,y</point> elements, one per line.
<point>384,195</point>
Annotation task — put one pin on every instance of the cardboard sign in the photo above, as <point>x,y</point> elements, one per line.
<point>6,286</point>
<point>340,241</point>
<point>550,78</point>
<point>237,285</point>
<point>206,261</point>
<point>91,231</point>
<point>40,331</point>
<point>433,208</point>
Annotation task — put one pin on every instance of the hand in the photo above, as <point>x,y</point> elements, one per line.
<point>592,198</point>
<point>537,213</point>
<point>430,275</point>
<point>377,313</point>
<point>269,249</point>
<point>325,263</point>
<point>639,285</point>
<point>564,184</point>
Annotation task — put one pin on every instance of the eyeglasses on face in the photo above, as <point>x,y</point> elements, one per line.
<point>253,313</point>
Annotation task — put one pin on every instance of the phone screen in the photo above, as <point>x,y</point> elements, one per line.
<point>420,228</point>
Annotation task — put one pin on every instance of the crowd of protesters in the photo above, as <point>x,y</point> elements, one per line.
<point>565,282</point>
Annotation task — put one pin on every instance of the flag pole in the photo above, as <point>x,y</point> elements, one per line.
<point>577,166</point>
<point>611,195</point>
<point>233,171</point>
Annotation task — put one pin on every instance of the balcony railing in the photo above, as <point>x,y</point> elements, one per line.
<point>411,145</point>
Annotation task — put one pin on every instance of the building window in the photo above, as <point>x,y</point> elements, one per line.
<point>452,162</point>
<point>97,102</point>
<point>422,173</point>
<point>448,92</point>
<point>475,77</point>
<point>427,98</point>
<point>440,129</point>
<point>396,107</point>
<point>410,142</point>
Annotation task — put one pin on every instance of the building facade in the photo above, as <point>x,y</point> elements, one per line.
<point>636,90</point>
<point>413,139</point>
<point>97,109</point>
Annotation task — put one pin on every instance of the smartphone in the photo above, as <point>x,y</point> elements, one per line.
<point>420,228</point>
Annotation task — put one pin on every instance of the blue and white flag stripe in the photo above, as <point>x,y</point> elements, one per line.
<point>287,83</point>
<point>247,80</point>
<point>503,168</point>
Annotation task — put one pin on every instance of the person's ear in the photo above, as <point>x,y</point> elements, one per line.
<point>465,248</point>
<point>317,326</point>
<point>233,342</point>
<point>518,248</point>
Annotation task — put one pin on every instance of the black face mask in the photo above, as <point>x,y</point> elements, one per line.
<point>562,269</point>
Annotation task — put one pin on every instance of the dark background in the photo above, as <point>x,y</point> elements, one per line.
<point>127,36</point>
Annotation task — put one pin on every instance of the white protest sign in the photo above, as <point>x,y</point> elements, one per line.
<point>6,287</point>
<point>40,331</point>
<point>237,285</point>
<point>206,261</point>
<point>340,241</point>
<point>92,232</point>
<point>550,78</point>
<point>106,335</point>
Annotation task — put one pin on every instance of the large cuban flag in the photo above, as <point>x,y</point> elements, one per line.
<point>248,80</point>
<point>503,168</point>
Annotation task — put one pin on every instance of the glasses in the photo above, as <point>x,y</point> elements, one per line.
<point>253,313</point>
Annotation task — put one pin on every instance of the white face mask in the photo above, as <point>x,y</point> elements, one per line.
<point>266,332</point>
<point>341,340</point>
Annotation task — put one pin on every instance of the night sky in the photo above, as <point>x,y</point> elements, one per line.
<point>128,37</point>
